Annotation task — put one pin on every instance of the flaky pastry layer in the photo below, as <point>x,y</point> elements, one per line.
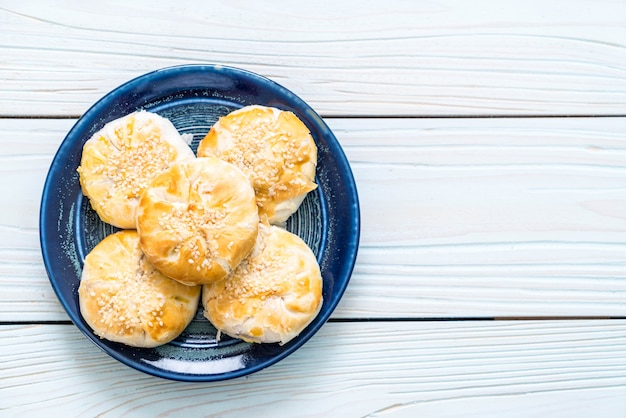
<point>125,299</point>
<point>197,220</point>
<point>120,160</point>
<point>274,148</point>
<point>272,295</point>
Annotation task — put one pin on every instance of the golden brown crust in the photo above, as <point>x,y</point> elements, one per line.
<point>125,299</point>
<point>120,160</point>
<point>274,148</point>
<point>198,220</point>
<point>273,294</point>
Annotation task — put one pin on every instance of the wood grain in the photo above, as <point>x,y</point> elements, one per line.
<point>460,217</point>
<point>444,57</point>
<point>390,369</point>
<point>478,217</point>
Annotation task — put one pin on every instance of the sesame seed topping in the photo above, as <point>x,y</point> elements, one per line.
<point>268,153</point>
<point>130,297</point>
<point>260,275</point>
<point>136,155</point>
<point>198,220</point>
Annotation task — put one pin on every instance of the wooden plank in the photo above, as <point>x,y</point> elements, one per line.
<point>396,369</point>
<point>444,57</point>
<point>502,217</point>
<point>460,217</point>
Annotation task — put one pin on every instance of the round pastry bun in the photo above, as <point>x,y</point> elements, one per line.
<point>121,159</point>
<point>272,295</point>
<point>274,148</point>
<point>125,299</point>
<point>197,220</point>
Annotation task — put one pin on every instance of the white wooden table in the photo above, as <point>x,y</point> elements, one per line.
<point>488,141</point>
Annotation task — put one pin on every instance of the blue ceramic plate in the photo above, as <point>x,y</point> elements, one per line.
<point>193,97</point>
